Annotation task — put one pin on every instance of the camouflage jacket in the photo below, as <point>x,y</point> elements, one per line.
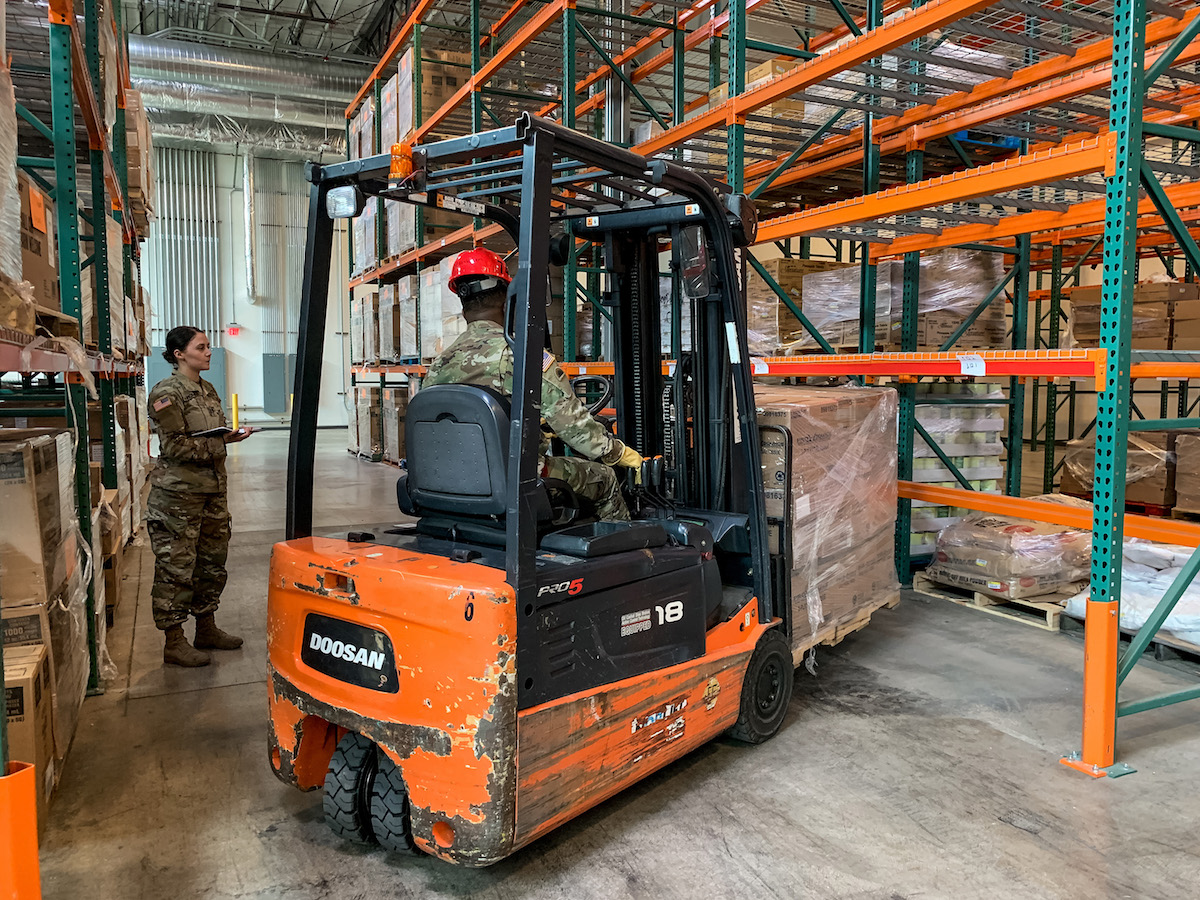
<point>481,356</point>
<point>179,407</point>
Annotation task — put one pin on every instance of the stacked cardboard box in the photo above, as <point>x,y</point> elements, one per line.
<point>43,594</point>
<point>440,310</point>
<point>1165,316</point>
<point>141,162</point>
<point>362,130</point>
<point>1187,473</point>
<point>10,200</point>
<point>408,290</point>
<point>352,422</point>
<point>29,718</point>
<point>395,403</point>
<point>370,421</point>
<point>968,433</point>
<point>364,328</point>
<point>402,107</point>
<point>364,231</point>
<point>770,324</point>
<point>1150,467</point>
<point>842,492</point>
<point>402,233</point>
<point>39,254</point>
<point>952,284</point>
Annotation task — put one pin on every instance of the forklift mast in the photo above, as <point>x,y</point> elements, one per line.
<point>532,178</point>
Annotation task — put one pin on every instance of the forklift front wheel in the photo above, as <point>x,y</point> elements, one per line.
<point>391,818</point>
<point>766,690</point>
<point>348,788</point>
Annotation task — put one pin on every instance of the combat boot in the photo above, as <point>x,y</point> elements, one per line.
<point>210,637</point>
<point>178,652</point>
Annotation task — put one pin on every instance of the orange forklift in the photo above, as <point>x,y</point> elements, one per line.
<point>461,685</point>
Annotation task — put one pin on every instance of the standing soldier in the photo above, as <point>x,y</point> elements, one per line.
<point>187,514</point>
<point>482,356</point>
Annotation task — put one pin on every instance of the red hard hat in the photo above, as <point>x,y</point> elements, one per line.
<point>479,263</point>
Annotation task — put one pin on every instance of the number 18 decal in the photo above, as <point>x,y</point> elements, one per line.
<point>672,612</point>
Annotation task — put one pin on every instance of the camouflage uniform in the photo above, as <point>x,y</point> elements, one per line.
<point>187,515</point>
<point>482,356</point>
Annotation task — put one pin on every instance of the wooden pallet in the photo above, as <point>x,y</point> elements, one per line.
<point>1187,515</point>
<point>835,632</point>
<point>1163,646</point>
<point>1042,612</point>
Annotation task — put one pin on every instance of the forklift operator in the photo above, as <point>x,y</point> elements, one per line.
<point>482,356</point>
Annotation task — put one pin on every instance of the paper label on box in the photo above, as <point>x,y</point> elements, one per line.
<point>972,364</point>
<point>37,209</point>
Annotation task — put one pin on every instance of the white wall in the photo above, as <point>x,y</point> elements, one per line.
<point>244,352</point>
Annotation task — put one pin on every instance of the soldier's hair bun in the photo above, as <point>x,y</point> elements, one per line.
<point>178,339</point>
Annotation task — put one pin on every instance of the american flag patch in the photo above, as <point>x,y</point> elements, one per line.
<point>161,404</point>
<point>547,360</point>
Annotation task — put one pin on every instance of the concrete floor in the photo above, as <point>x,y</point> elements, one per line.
<point>919,762</point>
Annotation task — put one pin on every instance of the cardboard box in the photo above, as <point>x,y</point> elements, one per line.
<point>39,252</point>
<point>17,308</point>
<point>1150,468</point>
<point>1187,472</point>
<point>370,421</point>
<point>60,628</point>
<point>37,493</point>
<point>440,310</point>
<point>769,321</point>
<point>842,482</point>
<point>408,290</point>
<point>395,403</point>
<point>442,73</point>
<point>29,718</point>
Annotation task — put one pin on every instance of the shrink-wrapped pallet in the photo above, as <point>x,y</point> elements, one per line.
<point>407,292</point>
<point>389,324</point>
<point>370,421</point>
<point>395,402</point>
<point>1149,467</point>
<point>834,307</point>
<point>839,498</point>
<point>1012,558</point>
<point>770,324</point>
<point>441,310</point>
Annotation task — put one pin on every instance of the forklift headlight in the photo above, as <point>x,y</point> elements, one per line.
<point>344,202</point>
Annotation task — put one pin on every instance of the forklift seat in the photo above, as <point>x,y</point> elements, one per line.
<point>457,454</point>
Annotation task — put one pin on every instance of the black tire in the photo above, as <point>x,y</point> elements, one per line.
<point>390,812</point>
<point>348,785</point>
<point>766,691</point>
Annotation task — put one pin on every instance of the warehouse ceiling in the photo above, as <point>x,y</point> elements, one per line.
<point>347,30</point>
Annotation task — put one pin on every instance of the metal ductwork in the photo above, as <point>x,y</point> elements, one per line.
<point>205,94</point>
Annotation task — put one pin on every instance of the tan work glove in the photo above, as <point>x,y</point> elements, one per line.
<point>631,459</point>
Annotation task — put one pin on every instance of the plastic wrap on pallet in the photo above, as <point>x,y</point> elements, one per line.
<point>836,313</point>
<point>407,291</point>
<point>370,421</point>
<point>357,346</point>
<point>1010,557</point>
<point>1187,473</point>
<point>389,324</point>
<point>1149,456</point>
<point>1147,571</point>
<point>842,485</point>
<point>10,200</point>
<point>440,308</point>
<point>351,404</point>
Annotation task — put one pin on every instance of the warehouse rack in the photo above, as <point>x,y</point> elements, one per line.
<point>952,123</point>
<point>57,74</point>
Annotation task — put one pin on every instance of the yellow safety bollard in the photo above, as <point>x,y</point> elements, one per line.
<point>233,401</point>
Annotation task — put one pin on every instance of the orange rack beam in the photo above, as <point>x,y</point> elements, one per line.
<point>465,235</point>
<point>1068,161</point>
<point>1167,531</point>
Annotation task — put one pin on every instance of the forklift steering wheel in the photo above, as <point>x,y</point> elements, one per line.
<point>600,380</point>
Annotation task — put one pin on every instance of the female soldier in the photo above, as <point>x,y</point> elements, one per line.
<point>187,515</point>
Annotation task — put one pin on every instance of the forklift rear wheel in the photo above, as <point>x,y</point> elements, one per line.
<point>348,785</point>
<point>766,691</point>
<point>391,818</point>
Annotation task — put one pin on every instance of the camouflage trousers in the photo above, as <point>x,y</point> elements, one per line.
<point>592,481</point>
<point>190,536</point>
